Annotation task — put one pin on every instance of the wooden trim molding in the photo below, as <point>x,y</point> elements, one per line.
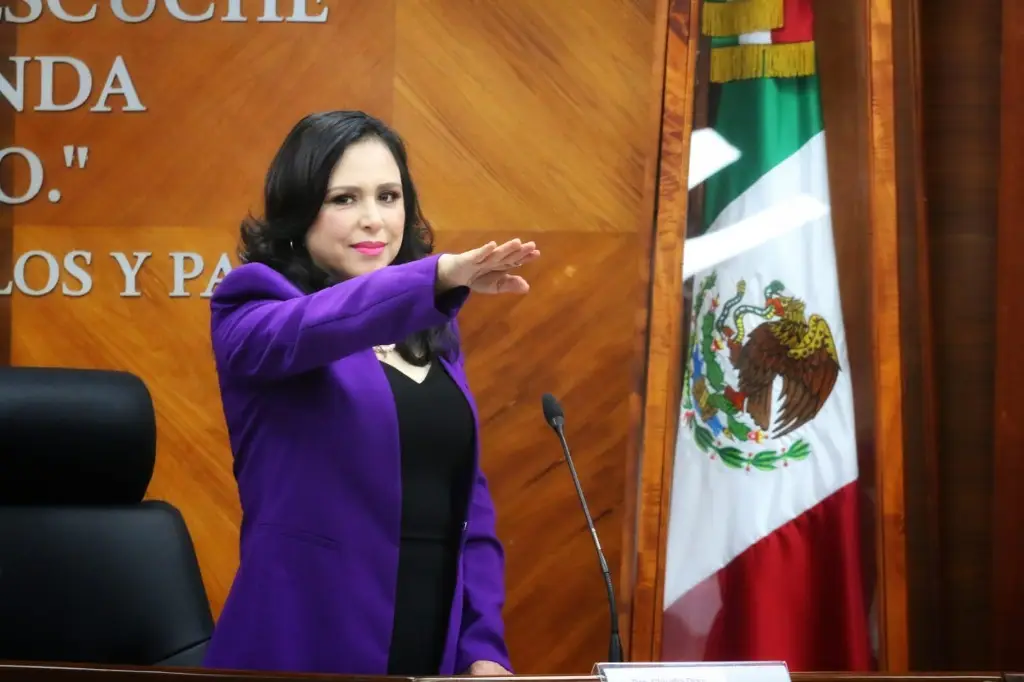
<point>885,299</point>
<point>1008,427</point>
<point>648,238</point>
<point>925,602</point>
<point>665,329</point>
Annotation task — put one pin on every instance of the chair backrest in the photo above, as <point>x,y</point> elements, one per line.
<point>89,571</point>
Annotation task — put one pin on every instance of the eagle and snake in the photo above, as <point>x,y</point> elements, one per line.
<point>787,344</point>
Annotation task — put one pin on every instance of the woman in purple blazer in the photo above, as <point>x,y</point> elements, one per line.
<point>368,533</point>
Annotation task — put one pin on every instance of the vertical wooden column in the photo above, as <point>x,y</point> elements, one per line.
<point>1008,422</point>
<point>892,587</point>
<point>925,594</point>
<point>647,240</point>
<point>960,53</point>
<point>664,331</point>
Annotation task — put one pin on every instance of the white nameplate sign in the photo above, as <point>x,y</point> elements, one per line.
<point>693,672</point>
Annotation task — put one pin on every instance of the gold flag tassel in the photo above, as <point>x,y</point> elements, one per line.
<point>741,16</point>
<point>742,62</point>
<point>790,60</point>
<point>737,62</point>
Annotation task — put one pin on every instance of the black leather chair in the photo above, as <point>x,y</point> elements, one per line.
<point>89,572</point>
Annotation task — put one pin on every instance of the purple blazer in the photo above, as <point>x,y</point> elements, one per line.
<point>314,433</point>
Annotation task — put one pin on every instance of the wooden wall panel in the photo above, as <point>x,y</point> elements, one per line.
<point>219,96</point>
<point>631,557</point>
<point>664,349</point>
<point>960,53</point>
<point>523,119</point>
<point>531,118</point>
<point>577,342</point>
<point>888,360</point>
<point>842,47</point>
<point>1008,427</point>
<point>176,178</point>
<point>925,594</point>
<point>526,116</point>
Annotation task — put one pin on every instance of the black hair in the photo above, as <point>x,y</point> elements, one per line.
<point>294,192</point>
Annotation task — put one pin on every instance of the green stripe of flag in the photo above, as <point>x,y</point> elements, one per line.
<point>767,119</point>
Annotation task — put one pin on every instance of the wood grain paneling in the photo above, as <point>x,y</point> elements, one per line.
<point>525,118</point>
<point>576,337</point>
<point>647,244</point>
<point>888,362</point>
<point>925,595</point>
<point>665,331</point>
<point>1008,427</point>
<point>526,115</point>
<point>219,97</point>
<point>841,32</point>
<point>532,118</point>
<point>177,177</point>
<point>961,107</point>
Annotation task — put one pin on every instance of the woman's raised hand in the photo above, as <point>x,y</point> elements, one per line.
<point>485,269</point>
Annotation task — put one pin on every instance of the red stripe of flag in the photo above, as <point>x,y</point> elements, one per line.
<point>798,23</point>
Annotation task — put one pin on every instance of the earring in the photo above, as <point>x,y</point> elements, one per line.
<point>291,244</point>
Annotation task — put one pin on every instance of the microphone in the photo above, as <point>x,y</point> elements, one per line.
<point>555,418</point>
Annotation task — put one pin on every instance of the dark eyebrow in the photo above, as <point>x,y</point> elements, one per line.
<point>348,189</point>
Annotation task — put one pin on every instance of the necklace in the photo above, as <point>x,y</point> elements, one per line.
<point>384,350</point>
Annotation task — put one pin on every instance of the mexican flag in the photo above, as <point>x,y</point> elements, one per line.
<point>763,558</point>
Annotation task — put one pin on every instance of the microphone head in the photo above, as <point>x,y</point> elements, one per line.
<point>553,414</point>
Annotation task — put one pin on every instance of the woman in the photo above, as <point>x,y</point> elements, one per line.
<point>368,534</point>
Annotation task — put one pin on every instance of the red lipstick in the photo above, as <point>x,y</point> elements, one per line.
<point>369,248</point>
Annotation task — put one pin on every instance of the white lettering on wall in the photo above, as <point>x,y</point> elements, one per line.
<point>300,16</point>
<point>189,266</point>
<point>35,175</point>
<point>130,272</point>
<point>57,10</point>
<point>117,82</point>
<point>181,275</point>
<point>219,272</point>
<point>35,10</point>
<point>117,6</point>
<point>72,271</point>
<point>99,88</point>
<point>20,265</point>
<point>175,10</point>
<point>14,93</point>
<point>78,273</point>
<point>300,12</point>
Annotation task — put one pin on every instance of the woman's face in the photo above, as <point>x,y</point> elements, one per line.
<point>360,226</point>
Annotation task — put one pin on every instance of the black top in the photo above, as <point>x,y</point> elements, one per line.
<point>436,431</point>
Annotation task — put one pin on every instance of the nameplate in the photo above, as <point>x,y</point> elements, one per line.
<point>693,672</point>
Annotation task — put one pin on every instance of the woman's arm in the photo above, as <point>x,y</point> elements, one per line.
<point>263,328</point>
<point>482,635</point>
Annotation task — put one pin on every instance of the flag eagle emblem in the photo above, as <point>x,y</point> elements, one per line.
<point>738,352</point>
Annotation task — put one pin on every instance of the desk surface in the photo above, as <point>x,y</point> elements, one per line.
<point>17,672</point>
